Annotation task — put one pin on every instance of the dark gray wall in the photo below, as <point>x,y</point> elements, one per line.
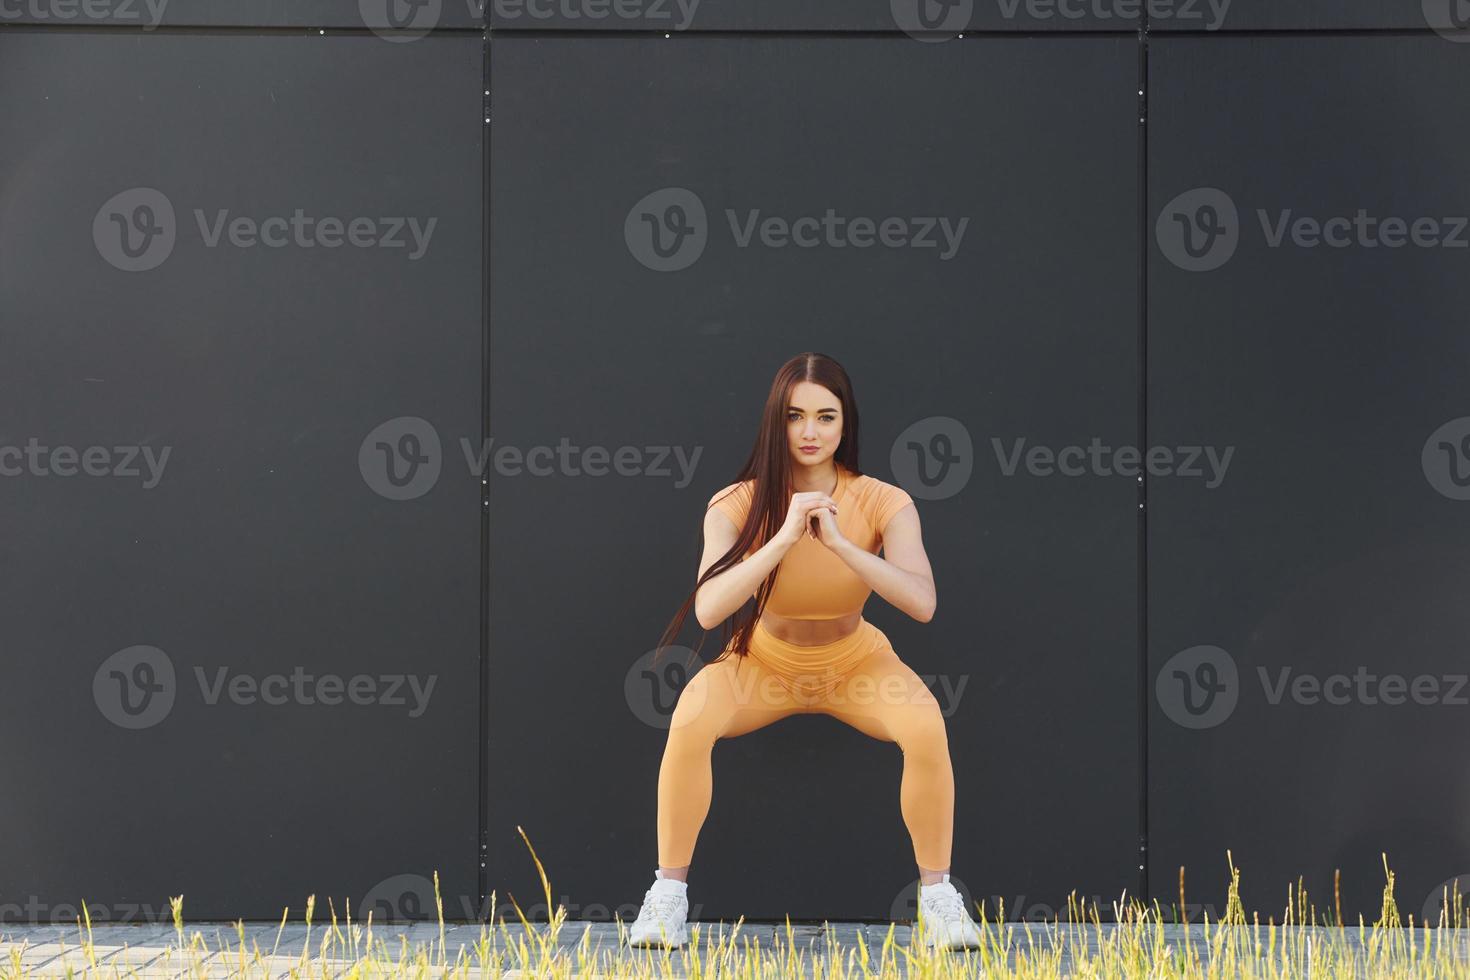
<point>588,343</point>
<point>283,381</point>
<point>836,16</point>
<point>1331,545</point>
<point>263,548</point>
<point>1299,15</point>
<point>393,17</point>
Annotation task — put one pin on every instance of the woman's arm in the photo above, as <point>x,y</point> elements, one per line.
<point>902,575</point>
<point>729,590</point>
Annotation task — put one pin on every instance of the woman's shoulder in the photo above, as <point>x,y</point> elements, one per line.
<point>733,494</point>
<point>880,498</point>
<point>867,485</point>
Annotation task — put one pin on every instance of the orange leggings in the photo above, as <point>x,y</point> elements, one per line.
<point>859,680</point>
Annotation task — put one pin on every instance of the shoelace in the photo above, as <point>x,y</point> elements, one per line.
<point>947,906</point>
<point>657,906</point>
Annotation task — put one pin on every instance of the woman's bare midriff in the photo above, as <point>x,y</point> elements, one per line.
<point>810,632</point>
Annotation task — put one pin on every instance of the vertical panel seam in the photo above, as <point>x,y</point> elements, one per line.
<point>1142,486</point>
<point>482,776</point>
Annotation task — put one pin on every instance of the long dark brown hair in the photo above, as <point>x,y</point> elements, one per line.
<point>769,466</point>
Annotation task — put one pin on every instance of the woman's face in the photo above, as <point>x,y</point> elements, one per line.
<point>813,424</point>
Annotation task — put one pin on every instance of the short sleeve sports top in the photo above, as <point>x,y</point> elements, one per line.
<point>811,581</point>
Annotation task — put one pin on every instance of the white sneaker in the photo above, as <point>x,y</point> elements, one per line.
<point>661,918</point>
<point>946,924</point>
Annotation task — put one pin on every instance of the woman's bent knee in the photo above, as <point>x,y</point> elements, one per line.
<point>692,712</point>
<point>708,703</point>
<point>922,729</point>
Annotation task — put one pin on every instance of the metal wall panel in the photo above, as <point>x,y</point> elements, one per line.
<point>1028,330</point>
<point>319,504</point>
<point>161,296</point>
<point>938,20</point>
<point>395,18</point>
<point>924,18</point>
<point>1225,16</point>
<point>1329,355</point>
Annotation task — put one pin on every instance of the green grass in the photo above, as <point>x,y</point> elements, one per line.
<point>1305,944</point>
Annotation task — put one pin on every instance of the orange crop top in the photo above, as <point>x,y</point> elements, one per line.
<point>811,581</point>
